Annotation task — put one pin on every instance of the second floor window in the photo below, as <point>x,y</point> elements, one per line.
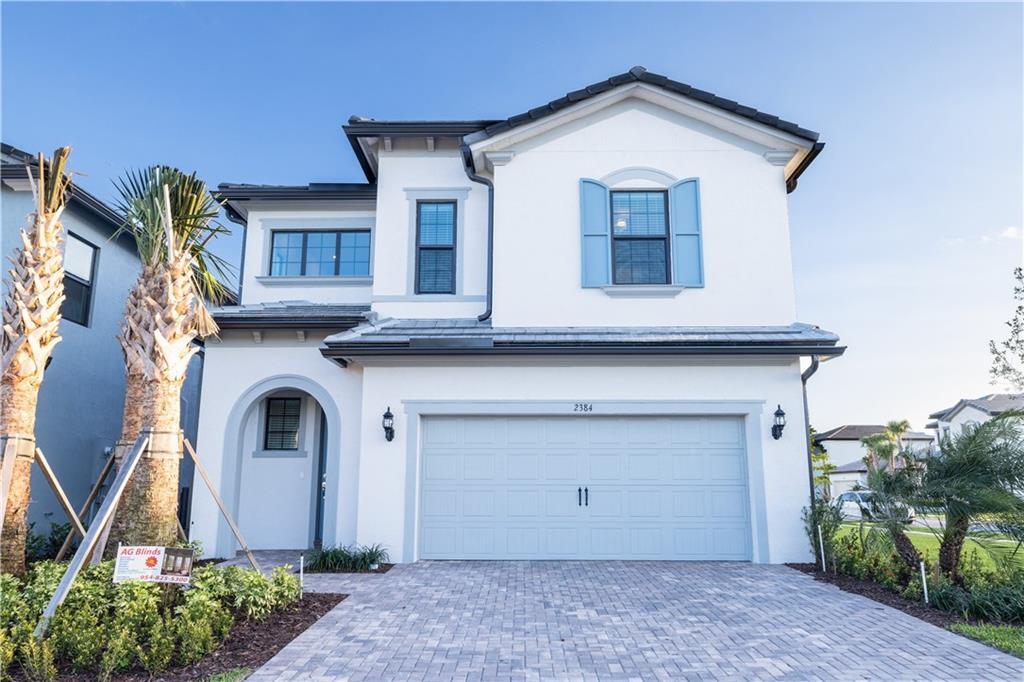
<point>435,247</point>
<point>79,271</point>
<point>640,252</point>
<point>320,253</point>
<point>282,425</point>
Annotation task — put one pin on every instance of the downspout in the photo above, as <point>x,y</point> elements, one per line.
<point>468,166</point>
<point>807,374</point>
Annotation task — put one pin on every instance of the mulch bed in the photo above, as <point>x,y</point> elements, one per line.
<point>250,643</point>
<point>866,588</point>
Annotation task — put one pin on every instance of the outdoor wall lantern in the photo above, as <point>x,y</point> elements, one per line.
<point>388,422</point>
<point>780,423</point>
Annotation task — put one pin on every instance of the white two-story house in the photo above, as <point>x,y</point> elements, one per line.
<point>564,335</point>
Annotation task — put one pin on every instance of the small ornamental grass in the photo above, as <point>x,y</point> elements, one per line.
<point>110,628</point>
<point>343,559</point>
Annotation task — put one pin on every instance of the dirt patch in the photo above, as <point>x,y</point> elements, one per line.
<point>250,643</point>
<point>876,592</point>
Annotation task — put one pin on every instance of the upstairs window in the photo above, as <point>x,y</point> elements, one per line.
<point>282,426</point>
<point>641,237</point>
<point>640,251</point>
<point>435,247</point>
<point>79,271</point>
<point>320,253</point>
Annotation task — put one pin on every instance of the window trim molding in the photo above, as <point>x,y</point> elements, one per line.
<point>341,224</point>
<point>261,452</point>
<point>413,196</point>
<point>417,247</point>
<point>667,238</point>
<point>91,284</point>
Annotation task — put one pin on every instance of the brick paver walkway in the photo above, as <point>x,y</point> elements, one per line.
<point>618,620</point>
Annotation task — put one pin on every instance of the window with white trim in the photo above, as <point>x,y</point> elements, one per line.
<point>320,253</point>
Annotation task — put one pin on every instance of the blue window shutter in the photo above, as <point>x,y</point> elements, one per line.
<point>596,227</point>
<point>687,251</point>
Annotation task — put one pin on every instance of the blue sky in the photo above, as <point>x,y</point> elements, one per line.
<point>905,230</point>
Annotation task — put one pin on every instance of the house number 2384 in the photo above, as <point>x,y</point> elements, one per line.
<point>583,407</point>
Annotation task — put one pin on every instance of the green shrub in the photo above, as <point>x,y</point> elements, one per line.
<point>871,558</point>
<point>158,650</point>
<point>830,517</point>
<point>285,586</point>
<point>44,546</point>
<point>342,559</point>
<point>200,624</point>
<point>253,593</point>
<point>37,660</point>
<point>113,628</point>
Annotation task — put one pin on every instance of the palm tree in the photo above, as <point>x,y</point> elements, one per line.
<point>31,315</point>
<point>978,474</point>
<point>885,448</point>
<point>172,217</point>
<point>892,489</point>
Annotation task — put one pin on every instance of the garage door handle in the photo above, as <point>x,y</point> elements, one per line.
<point>586,496</point>
<point>579,497</point>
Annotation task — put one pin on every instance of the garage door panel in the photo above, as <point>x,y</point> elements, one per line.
<point>478,466</point>
<point>727,466</point>
<point>659,488</point>
<point>522,466</point>
<point>525,431</point>
<point>645,466</point>
<point>561,466</point>
<point>523,542</point>
<point>604,466</point>
<point>561,503</point>
<point>688,466</point>
<point>440,503</point>
<point>523,503</point>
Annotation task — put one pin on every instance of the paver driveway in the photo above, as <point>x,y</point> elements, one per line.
<point>618,620</point>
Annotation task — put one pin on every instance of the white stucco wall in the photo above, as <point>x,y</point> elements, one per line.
<point>238,373</point>
<point>748,271</point>
<point>382,470</point>
<point>407,173</point>
<point>257,287</point>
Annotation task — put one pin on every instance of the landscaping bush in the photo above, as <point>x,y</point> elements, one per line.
<point>830,517</point>
<point>343,559</point>
<point>43,546</point>
<point>110,628</point>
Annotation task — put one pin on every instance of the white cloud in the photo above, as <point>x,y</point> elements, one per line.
<point>1008,233</point>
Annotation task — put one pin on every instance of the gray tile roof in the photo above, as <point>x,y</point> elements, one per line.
<point>850,468</point>
<point>992,404</point>
<point>859,431</point>
<point>453,335</point>
<point>290,314</point>
<point>642,75</point>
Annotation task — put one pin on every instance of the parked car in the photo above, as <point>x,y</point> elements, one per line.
<point>861,505</point>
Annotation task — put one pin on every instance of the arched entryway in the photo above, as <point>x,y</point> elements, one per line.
<point>279,479</point>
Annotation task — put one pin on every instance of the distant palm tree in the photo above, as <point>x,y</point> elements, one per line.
<point>172,217</point>
<point>978,476</point>
<point>31,315</point>
<point>885,448</point>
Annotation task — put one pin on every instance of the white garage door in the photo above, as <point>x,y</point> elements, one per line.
<point>584,488</point>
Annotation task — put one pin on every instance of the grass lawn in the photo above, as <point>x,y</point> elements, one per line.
<point>1008,638</point>
<point>928,544</point>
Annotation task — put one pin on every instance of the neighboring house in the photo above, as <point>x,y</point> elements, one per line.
<point>82,397</point>
<point>559,335</point>
<point>845,450</point>
<point>973,411</point>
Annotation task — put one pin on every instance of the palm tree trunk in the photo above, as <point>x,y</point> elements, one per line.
<point>905,549</point>
<point>18,415</point>
<point>31,317</point>
<point>952,546</point>
<point>147,512</point>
